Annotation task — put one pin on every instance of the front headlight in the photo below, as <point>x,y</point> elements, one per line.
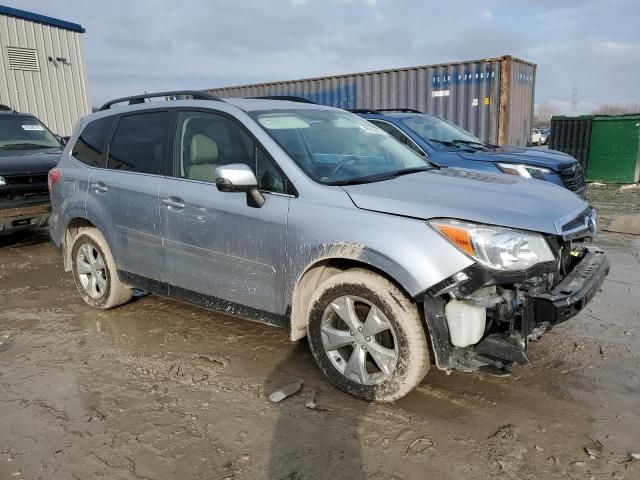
<point>526,171</point>
<point>496,247</point>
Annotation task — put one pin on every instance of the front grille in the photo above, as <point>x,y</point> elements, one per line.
<point>29,179</point>
<point>25,187</point>
<point>579,221</point>
<point>582,226</point>
<point>573,178</point>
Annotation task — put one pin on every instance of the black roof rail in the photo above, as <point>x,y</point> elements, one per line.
<point>135,99</point>
<point>403,110</point>
<point>363,110</point>
<point>291,98</point>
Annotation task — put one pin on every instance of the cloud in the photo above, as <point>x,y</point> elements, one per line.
<point>157,44</point>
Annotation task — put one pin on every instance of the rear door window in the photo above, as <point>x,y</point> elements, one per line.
<point>139,143</point>
<point>91,146</point>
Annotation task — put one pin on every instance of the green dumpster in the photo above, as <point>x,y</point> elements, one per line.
<point>614,153</point>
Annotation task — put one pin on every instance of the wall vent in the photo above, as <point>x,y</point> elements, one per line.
<point>23,59</point>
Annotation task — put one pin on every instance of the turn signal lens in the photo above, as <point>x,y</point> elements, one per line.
<point>459,236</point>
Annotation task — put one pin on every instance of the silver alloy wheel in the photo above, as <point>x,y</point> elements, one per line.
<point>92,271</point>
<point>359,349</point>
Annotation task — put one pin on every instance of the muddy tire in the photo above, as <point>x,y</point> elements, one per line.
<point>94,271</point>
<point>367,337</point>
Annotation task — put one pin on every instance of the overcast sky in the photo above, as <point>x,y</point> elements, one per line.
<point>138,45</point>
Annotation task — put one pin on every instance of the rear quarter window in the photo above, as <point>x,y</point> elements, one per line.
<point>91,146</point>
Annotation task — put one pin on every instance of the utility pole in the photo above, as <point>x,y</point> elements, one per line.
<point>574,99</point>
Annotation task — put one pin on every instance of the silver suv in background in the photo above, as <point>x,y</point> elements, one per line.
<point>311,219</point>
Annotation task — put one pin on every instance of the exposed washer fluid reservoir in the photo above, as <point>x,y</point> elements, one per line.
<point>466,322</point>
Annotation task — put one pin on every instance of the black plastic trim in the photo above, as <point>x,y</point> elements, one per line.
<point>400,110</point>
<point>438,331</point>
<point>202,300</point>
<point>363,110</point>
<point>577,289</point>
<point>135,99</point>
<point>289,98</point>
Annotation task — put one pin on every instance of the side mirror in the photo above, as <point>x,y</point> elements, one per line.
<point>238,177</point>
<point>63,140</point>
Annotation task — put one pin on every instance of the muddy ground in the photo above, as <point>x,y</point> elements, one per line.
<point>161,390</point>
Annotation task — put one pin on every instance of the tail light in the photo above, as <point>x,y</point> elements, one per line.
<point>55,174</point>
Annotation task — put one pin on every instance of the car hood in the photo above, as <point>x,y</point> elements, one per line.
<point>494,199</point>
<point>17,162</point>
<point>531,156</point>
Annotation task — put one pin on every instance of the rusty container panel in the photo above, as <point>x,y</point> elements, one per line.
<point>519,96</point>
<point>474,94</point>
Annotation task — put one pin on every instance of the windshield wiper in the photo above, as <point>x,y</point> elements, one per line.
<point>471,143</point>
<point>450,144</point>
<point>379,177</point>
<point>407,171</point>
<point>28,145</point>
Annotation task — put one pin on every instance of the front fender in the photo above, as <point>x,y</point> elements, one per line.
<point>413,254</point>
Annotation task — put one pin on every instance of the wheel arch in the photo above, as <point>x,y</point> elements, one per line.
<point>72,229</point>
<point>321,269</point>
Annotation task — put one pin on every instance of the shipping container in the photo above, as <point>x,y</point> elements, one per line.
<point>572,135</point>
<point>491,98</point>
<point>614,154</point>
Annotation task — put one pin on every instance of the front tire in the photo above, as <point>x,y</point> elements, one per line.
<point>94,271</point>
<point>367,337</point>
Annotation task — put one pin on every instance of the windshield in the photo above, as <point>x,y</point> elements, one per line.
<point>339,148</point>
<point>20,132</point>
<point>442,134</point>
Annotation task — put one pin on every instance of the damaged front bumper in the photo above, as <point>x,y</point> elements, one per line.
<point>520,308</point>
<point>577,289</point>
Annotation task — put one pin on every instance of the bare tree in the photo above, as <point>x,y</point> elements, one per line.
<point>617,109</point>
<point>542,114</point>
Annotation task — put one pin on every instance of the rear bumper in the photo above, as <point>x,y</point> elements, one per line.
<point>20,218</point>
<point>571,295</point>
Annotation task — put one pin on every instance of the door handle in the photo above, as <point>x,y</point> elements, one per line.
<point>99,187</point>
<point>174,203</point>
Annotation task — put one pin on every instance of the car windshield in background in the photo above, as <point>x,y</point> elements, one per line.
<point>443,135</point>
<point>22,133</point>
<point>339,148</point>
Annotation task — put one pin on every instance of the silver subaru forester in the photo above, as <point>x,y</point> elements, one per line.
<point>311,219</point>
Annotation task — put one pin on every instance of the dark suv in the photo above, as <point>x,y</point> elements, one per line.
<point>447,144</point>
<point>28,150</point>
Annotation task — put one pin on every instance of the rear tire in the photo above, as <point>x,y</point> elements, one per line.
<point>376,347</point>
<point>95,273</point>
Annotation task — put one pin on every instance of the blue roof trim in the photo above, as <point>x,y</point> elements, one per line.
<point>35,17</point>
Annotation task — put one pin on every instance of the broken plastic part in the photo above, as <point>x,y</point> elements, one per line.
<point>285,391</point>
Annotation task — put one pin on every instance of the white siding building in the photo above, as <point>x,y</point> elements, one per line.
<point>42,68</point>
